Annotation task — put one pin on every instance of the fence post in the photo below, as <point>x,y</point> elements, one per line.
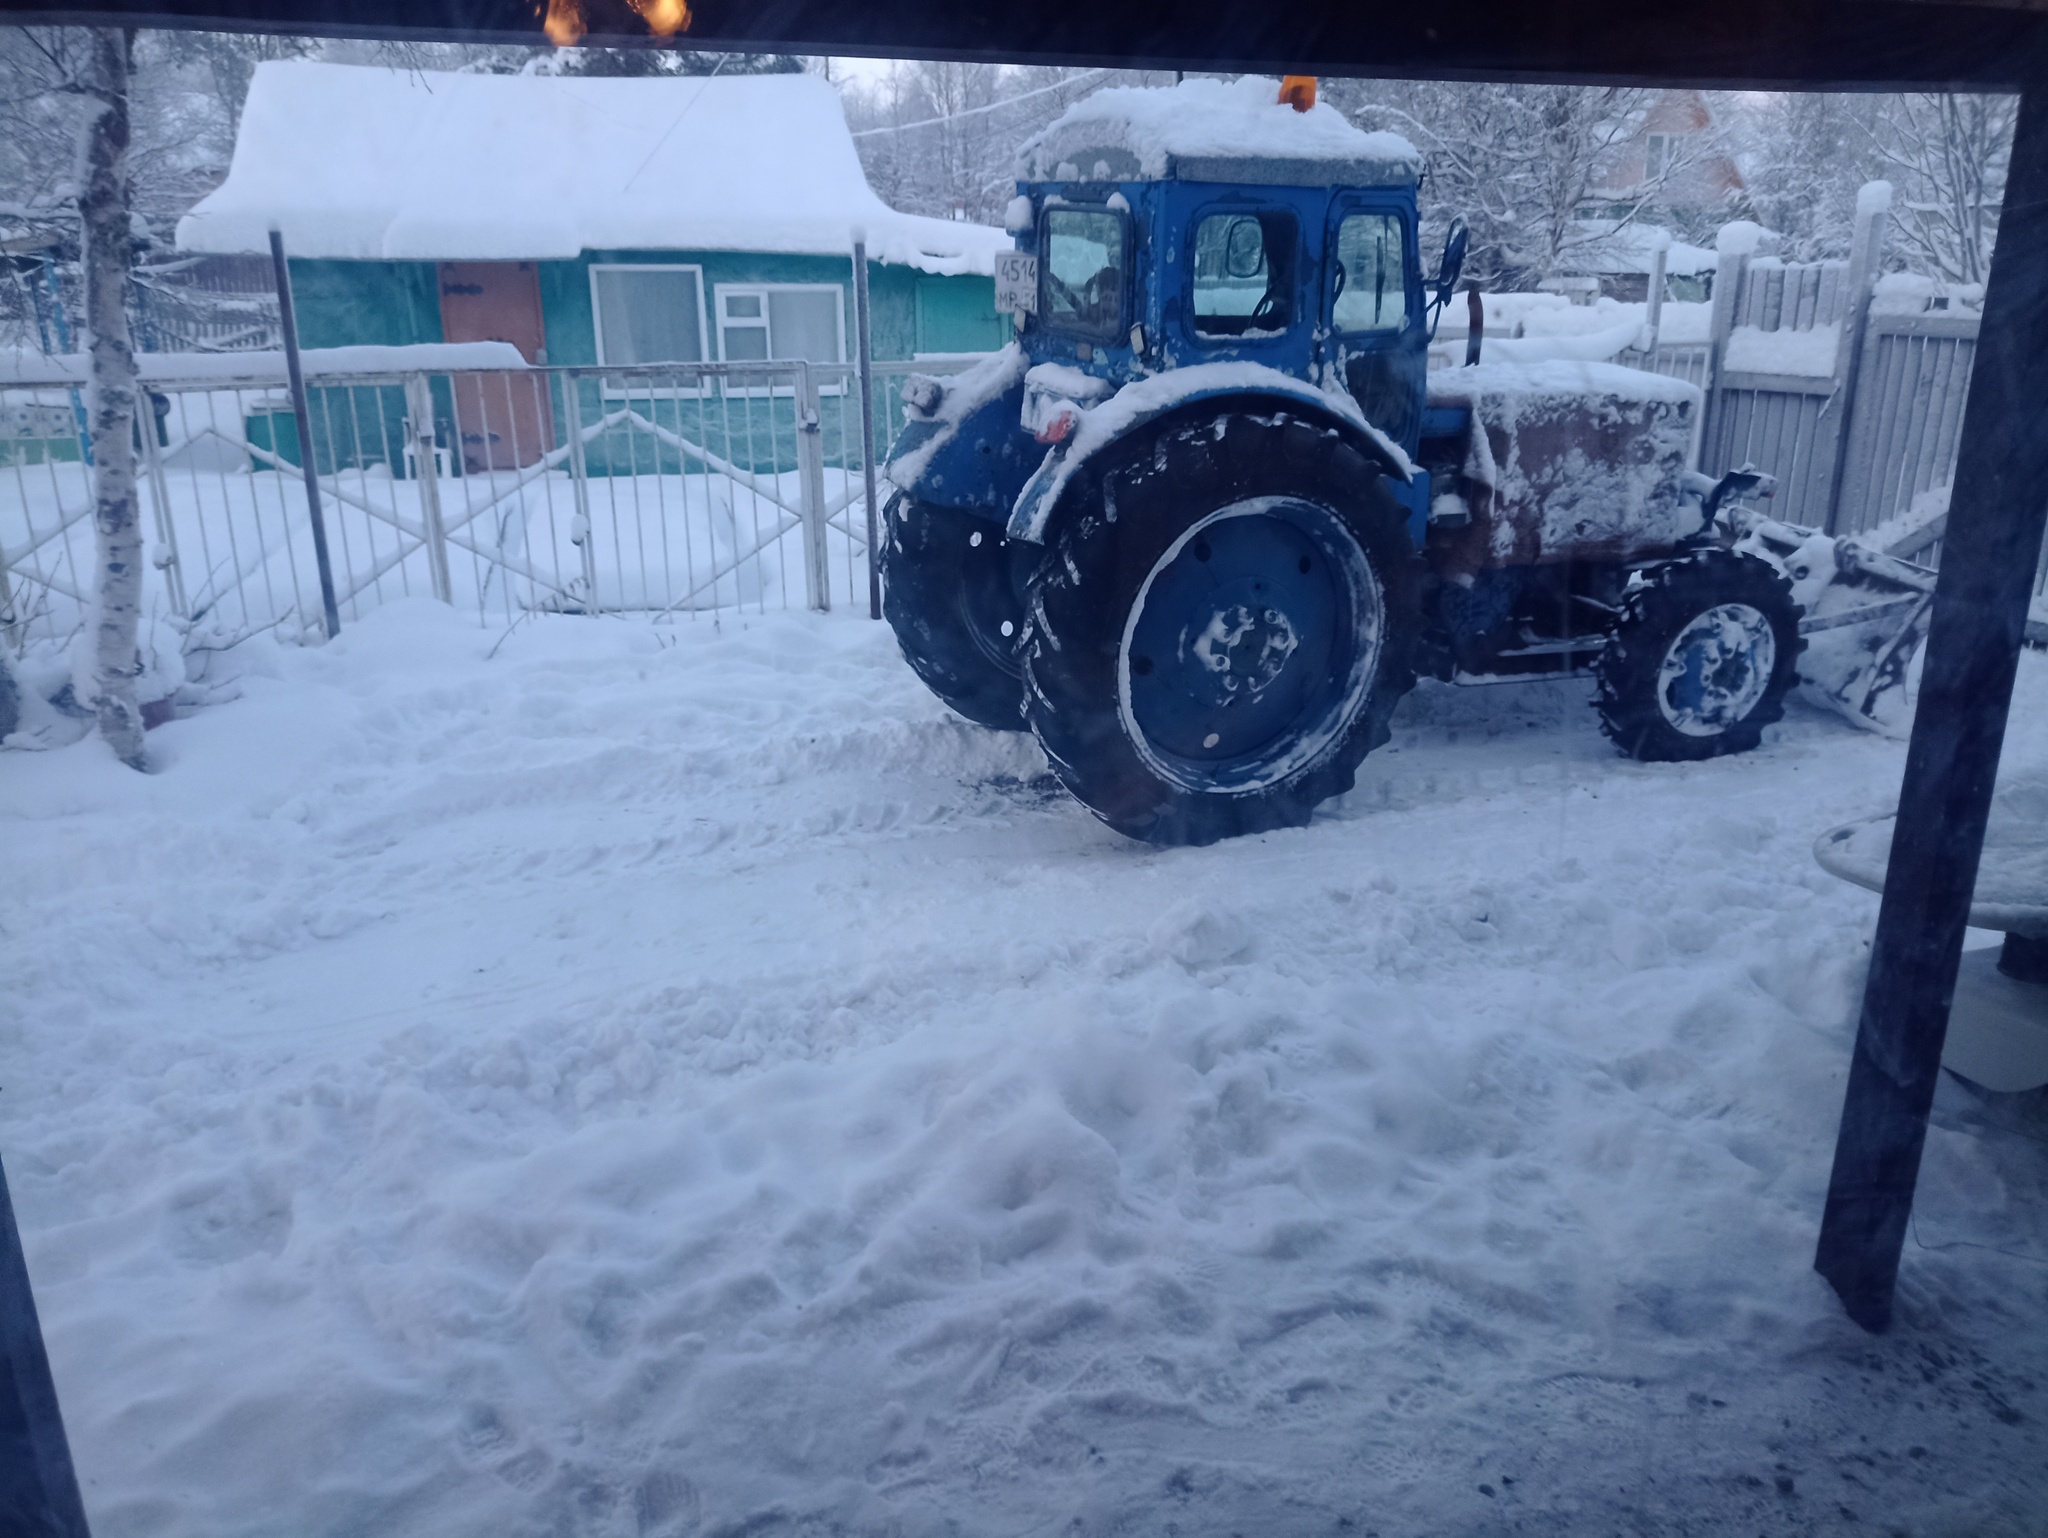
<point>166,530</point>
<point>810,463</point>
<point>1653,314</point>
<point>1873,207</point>
<point>426,469</point>
<point>288,323</point>
<point>867,419</point>
<point>1730,267</point>
<point>10,623</point>
<point>579,484</point>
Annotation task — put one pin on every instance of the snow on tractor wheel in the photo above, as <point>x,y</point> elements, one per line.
<point>1701,659</point>
<point>948,594</point>
<point>1221,628</point>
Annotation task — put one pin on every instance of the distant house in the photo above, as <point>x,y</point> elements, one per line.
<point>1671,159</point>
<point>586,220</point>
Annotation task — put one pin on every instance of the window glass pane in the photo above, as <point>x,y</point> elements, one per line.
<point>1083,268</point>
<point>804,323</point>
<point>648,317</point>
<point>742,304</point>
<point>746,344</point>
<point>1371,277</point>
<point>1244,274</point>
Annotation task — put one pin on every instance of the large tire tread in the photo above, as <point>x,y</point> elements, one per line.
<point>1133,502</point>
<point>1651,618</point>
<point>947,587</point>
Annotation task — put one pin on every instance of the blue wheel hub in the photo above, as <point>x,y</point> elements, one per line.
<point>1717,670</point>
<point>1251,645</point>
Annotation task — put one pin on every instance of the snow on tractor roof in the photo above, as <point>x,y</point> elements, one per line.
<point>373,163</point>
<point>1214,130</point>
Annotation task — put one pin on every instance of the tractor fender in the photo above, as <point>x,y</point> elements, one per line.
<point>1245,386</point>
<point>960,446</point>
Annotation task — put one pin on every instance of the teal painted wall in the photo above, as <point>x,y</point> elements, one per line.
<point>356,304</point>
<point>366,304</point>
<point>344,303</point>
<point>957,314</point>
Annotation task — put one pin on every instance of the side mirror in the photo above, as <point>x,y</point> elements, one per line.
<point>1453,263</point>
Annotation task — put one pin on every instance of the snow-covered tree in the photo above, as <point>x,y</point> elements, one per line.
<point>1805,154</point>
<point>1520,164</point>
<point>1948,156</point>
<point>941,138</point>
<point>104,212</point>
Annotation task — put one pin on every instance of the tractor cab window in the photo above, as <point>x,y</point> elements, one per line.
<point>1082,271</point>
<point>1370,273</point>
<point>1244,274</point>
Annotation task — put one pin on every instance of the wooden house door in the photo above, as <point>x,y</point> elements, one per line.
<point>503,420</point>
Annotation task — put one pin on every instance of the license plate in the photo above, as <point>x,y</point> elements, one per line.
<point>1016,282</point>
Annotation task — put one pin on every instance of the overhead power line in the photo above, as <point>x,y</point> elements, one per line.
<point>994,106</point>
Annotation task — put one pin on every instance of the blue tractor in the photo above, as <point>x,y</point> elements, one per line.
<point>1200,526</point>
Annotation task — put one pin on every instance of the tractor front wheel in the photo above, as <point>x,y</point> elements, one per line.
<point>949,594</point>
<point>1221,628</point>
<point>1700,660</point>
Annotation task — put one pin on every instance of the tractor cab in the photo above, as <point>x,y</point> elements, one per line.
<point>1246,261</point>
<point>1198,241</point>
<point>1287,257</point>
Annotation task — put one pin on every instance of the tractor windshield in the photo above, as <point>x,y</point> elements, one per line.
<point>1244,274</point>
<point>1370,274</point>
<point>1083,271</point>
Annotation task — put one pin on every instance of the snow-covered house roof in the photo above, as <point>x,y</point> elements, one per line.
<point>353,161</point>
<point>1213,130</point>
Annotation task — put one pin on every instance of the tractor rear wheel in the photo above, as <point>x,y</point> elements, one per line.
<point>1700,660</point>
<point>948,592</point>
<point>1221,628</point>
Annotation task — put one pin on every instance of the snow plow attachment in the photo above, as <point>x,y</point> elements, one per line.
<point>1863,608</point>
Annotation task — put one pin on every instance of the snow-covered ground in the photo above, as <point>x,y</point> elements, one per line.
<point>675,1079</point>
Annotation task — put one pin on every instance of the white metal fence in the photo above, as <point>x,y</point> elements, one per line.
<point>669,490</point>
<point>677,490</point>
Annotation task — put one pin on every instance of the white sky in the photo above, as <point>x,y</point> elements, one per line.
<point>865,70</point>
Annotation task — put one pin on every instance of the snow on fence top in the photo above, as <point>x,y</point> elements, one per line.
<point>1213,130</point>
<point>20,367</point>
<point>371,163</point>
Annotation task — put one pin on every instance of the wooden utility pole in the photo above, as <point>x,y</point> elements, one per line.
<point>38,1487</point>
<point>1988,560</point>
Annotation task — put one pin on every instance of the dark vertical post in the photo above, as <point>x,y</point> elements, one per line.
<point>865,341</point>
<point>288,323</point>
<point>38,1487</point>
<point>1988,561</point>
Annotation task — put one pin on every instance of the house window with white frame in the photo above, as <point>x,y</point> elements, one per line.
<point>762,322</point>
<point>648,313</point>
<point>1656,155</point>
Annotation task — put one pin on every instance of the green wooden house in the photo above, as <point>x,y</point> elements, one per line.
<point>593,221</point>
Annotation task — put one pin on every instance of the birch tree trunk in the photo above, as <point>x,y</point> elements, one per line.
<point>103,211</point>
